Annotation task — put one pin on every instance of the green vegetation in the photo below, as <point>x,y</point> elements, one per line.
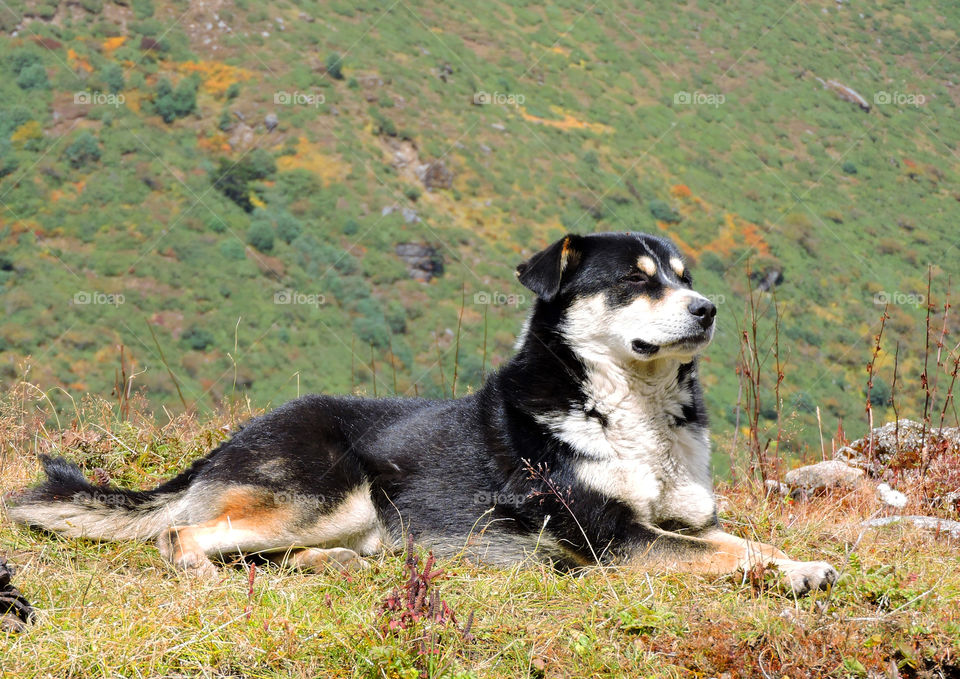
<point>175,197</point>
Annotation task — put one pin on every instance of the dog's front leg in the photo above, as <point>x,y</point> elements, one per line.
<point>716,552</point>
<point>803,576</point>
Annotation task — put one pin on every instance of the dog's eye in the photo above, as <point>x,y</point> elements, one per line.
<point>636,277</point>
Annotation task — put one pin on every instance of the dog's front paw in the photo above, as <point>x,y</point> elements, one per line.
<point>806,576</point>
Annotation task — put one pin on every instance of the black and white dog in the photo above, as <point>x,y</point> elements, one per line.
<point>590,445</point>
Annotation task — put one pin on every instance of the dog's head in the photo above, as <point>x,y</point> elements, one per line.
<point>625,297</point>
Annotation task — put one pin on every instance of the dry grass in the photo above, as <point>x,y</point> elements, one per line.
<point>119,610</point>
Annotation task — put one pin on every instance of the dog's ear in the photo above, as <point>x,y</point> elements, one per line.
<point>543,273</point>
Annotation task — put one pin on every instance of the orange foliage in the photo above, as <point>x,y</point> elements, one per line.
<point>110,44</point>
<point>328,168</point>
<point>737,233</point>
<point>569,122</point>
<point>681,191</point>
<point>77,61</point>
<point>217,76</point>
<point>215,142</point>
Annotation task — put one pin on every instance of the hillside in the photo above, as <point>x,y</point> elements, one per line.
<point>221,189</point>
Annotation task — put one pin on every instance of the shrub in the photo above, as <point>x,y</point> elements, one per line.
<point>288,227</point>
<point>171,103</point>
<point>233,249</point>
<point>226,121</point>
<point>233,179</point>
<point>233,91</point>
<point>335,66</point>
<point>112,77</point>
<point>196,338</point>
<point>143,9</point>
<point>662,212</point>
<point>83,150</point>
<point>33,77</point>
<point>260,235</point>
<point>849,168</point>
<point>261,163</point>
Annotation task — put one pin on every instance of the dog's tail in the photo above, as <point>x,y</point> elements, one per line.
<point>68,504</point>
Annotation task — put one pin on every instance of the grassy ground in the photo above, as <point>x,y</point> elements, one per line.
<point>118,609</point>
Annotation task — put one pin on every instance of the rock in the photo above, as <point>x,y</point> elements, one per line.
<point>829,474</point>
<point>409,215</point>
<point>271,121</point>
<point>242,137</point>
<point>924,522</point>
<point>435,175</point>
<point>891,497</point>
<point>949,500</point>
<point>424,262</point>
<point>776,488</point>
<point>890,441</point>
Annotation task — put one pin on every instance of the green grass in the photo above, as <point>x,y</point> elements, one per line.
<point>117,609</point>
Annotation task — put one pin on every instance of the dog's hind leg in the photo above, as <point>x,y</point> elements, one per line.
<point>316,560</point>
<point>279,526</point>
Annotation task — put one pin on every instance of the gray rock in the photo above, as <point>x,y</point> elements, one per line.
<point>435,175</point>
<point>271,121</point>
<point>931,523</point>
<point>424,262</point>
<point>776,488</point>
<point>890,440</point>
<point>829,474</point>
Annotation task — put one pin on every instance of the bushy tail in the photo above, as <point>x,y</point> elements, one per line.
<point>68,504</point>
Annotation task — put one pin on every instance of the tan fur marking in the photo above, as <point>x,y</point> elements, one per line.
<point>677,266</point>
<point>647,265</point>
<point>564,254</point>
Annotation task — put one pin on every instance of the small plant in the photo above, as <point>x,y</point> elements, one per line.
<point>416,612</point>
<point>197,338</point>
<point>662,212</point>
<point>334,66</point>
<point>83,151</point>
<point>261,235</point>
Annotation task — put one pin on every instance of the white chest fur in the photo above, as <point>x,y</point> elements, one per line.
<point>630,450</point>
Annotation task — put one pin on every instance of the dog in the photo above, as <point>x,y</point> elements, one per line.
<point>589,446</point>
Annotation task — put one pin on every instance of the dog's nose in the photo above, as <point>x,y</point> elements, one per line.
<point>704,310</point>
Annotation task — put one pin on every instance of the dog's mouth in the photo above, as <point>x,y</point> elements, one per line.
<point>686,345</point>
